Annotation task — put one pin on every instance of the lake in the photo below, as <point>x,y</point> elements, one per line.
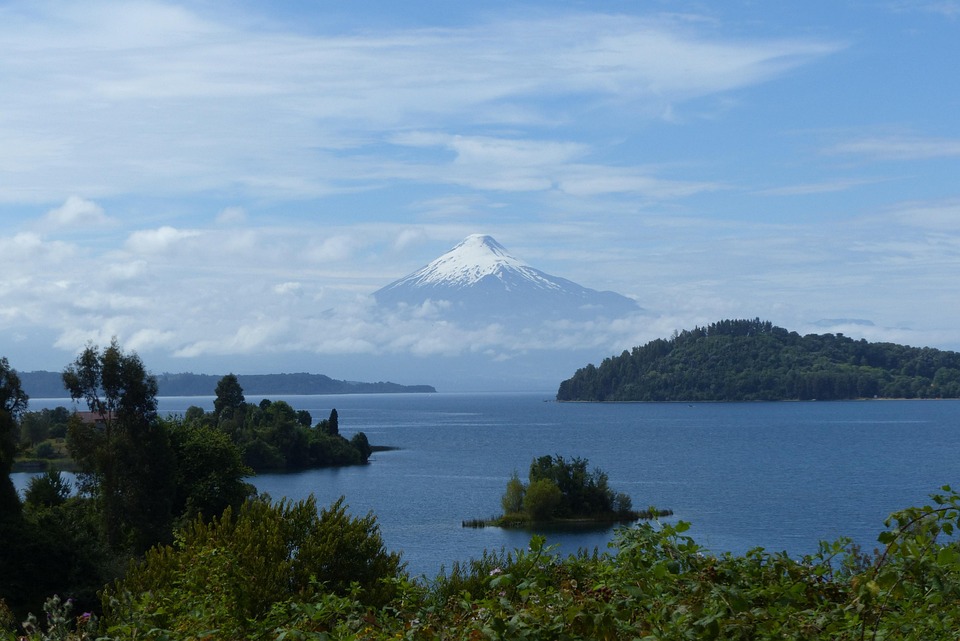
<point>782,476</point>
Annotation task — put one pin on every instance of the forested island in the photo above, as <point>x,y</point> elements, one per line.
<point>565,492</point>
<point>43,384</point>
<point>754,360</point>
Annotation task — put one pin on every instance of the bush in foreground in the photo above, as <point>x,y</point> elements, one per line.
<point>659,584</point>
<point>226,576</point>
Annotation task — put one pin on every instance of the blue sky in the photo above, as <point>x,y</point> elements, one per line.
<point>222,185</point>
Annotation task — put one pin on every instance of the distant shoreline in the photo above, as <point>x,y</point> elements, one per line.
<point>49,385</point>
<point>780,400</point>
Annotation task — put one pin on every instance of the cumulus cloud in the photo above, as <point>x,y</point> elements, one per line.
<point>151,241</point>
<point>75,212</point>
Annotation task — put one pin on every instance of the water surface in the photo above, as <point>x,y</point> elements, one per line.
<point>777,475</point>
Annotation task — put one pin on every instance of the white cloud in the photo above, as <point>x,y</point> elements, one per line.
<point>826,187</point>
<point>899,148</point>
<point>941,217</point>
<point>287,288</point>
<point>76,212</point>
<point>22,253</point>
<point>151,241</point>
<point>594,180</point>
<point>408,238</point>
<point>156,99</point>
<point>510,164</point>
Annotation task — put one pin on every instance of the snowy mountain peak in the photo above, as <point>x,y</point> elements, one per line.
<point>478,255</point>
<point>480,280</point>
<point>475,258</point>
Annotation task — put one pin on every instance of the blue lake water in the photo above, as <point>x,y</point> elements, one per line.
<point>782,476</point>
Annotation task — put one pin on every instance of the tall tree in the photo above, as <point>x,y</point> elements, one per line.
<point>12,397</point>
<point>126,451</point>
<point>333,423</point>
<point>13,402</point>
<point>210,470</point>
<point>229,394</point>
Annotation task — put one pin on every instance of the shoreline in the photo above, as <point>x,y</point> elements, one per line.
<point>520,522</point>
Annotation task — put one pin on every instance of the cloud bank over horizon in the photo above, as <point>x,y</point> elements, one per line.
<point>223,186</point>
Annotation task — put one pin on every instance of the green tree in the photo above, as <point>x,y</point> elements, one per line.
<point>304,418</point>
<point>14,538</point>
<point>333,423</point>
<point>209,470</point>
<point>512,500</point>
<point>13,402</point>
<point>362,445</point>
<point>126,454</point>
<point>48,490</point>
<point>583,493</point>
<point>229,395</point>
<point>12,397</point>
<point>47,423</point>
<point>542,499</point>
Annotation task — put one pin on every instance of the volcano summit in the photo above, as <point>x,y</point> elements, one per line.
<point>479,281</point>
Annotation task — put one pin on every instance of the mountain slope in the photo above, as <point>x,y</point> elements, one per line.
<point>478,279</point>
<point>744,360</point>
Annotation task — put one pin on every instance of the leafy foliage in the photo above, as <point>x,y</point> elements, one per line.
<point>48,490</point>
<point>36,427</point>
<point>126,455</point>
<point>743,360</point>
<point>562,489</point>
<point>229,395</point>
<point>660,584</point>
<point>273,436</point>
<point>13,401</point>
<point>221,575</point>
<point>248,576</point>
<point>209,470</point>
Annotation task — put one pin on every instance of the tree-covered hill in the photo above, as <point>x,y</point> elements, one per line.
<point>747,360</point>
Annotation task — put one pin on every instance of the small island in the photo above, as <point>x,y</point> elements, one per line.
<point>563,493</point>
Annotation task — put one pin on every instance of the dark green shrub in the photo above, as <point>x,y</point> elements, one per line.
<point>224,574</point>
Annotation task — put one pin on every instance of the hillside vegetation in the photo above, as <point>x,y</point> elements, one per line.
<point>753,360</point>
<point>282,571</point>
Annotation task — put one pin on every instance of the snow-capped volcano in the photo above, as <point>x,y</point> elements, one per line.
<point>480,279</point>
<point>479,256</point>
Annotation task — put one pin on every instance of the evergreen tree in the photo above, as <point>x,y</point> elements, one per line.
<point>333,423</point>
